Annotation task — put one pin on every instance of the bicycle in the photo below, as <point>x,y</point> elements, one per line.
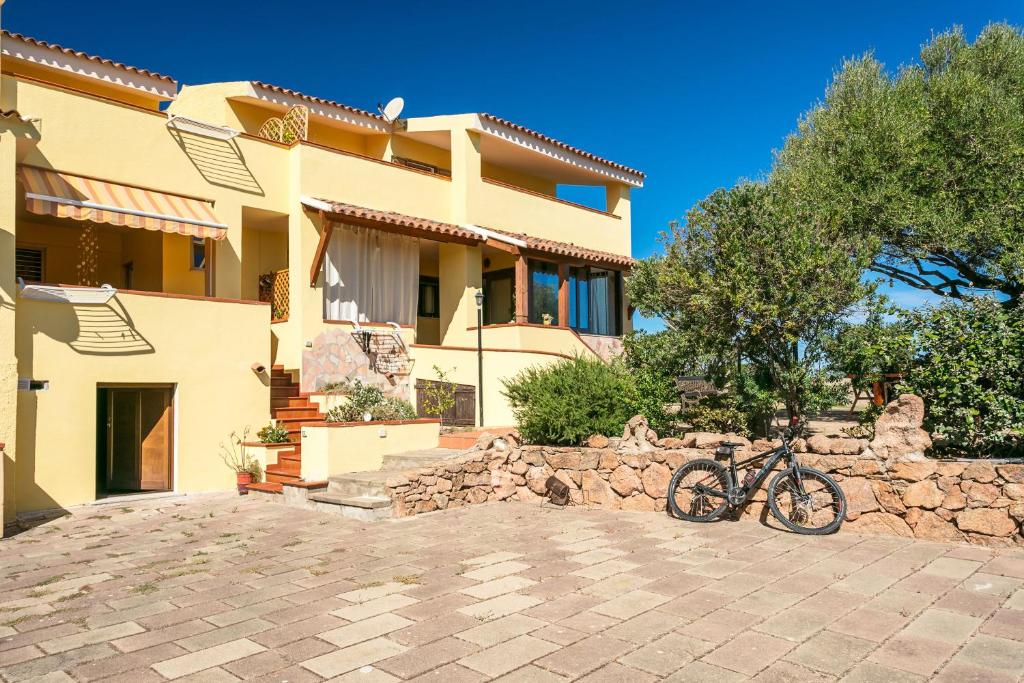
<point>803,499</point>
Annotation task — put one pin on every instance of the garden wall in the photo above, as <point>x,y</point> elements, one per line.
<point>891,487</point>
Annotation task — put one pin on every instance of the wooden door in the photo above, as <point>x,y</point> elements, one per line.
<point>139,439</point>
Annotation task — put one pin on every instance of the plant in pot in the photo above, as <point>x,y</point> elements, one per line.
<point>273,434</point>
<point>236,456</point>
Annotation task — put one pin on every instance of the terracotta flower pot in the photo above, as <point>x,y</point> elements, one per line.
<point>243,479</point>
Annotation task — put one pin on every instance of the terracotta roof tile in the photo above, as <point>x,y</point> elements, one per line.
<point>392,218</point>
<point>426,225</point>
<point>570,250</point>
<point>557,143</point>
<point>317,100</point>
<point>83,55</point>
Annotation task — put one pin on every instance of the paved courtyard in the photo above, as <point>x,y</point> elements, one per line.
<point>219,588</point>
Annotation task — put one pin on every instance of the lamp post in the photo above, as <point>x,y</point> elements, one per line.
<point>480,350</point>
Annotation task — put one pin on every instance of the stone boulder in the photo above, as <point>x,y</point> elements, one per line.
<point>639,503</point>
<point>923,494</point>
<point>596,491</point>
<point>656,479</point>
<point>933,528</point>
<point>898,430</point>
<point>1012,473</point>
<point>986,521</point>
<point>880,523</point>
<point>624,480</point>
<point>503,483</point>
<point>597,441</point>
<point>638,435</point>
<point>912,470</point>
<point>860,498</point>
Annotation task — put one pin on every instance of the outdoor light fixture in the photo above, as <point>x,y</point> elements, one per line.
<point>479,296</point>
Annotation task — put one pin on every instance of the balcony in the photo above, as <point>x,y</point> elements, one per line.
<point>508,207</point>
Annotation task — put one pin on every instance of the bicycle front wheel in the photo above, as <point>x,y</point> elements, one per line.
<point>697,491</point>
<point>808,502</point>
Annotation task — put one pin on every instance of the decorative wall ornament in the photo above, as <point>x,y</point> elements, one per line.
<point>88,256</point>
<point>293,126</point>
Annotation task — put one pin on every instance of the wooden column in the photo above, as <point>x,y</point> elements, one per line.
<point>563,295</point>
<point>522,290</point>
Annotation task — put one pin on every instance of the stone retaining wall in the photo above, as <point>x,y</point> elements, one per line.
<point>891,487</point>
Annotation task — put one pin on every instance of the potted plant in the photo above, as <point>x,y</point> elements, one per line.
<point>272,434</point>
<point>236,456</point>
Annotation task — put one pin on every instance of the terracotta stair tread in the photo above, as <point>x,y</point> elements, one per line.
<point>266,487</point>
<point>289,467</point>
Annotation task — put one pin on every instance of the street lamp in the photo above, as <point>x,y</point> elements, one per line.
<point>480,350</point>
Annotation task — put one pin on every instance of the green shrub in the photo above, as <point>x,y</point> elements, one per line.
<point>656,360</point>
<point>969,370</point>
<point>365,398</point>
<point>564,403</point>
<point>272,434</point>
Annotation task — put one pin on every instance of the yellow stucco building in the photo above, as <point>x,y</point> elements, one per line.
<point>177,263</point>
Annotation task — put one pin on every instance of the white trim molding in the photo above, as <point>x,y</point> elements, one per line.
<point>317,108</point>
<point>552,151</point>
<point>159,88</point>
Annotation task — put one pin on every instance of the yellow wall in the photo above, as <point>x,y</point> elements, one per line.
<point>204,348</point>
<point>332,450</point>
<point>179,277</point>
<point>265,251</point>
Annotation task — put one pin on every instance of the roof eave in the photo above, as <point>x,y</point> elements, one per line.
<point>114,74</point>
<point>549,147</point>
<point>333,111</point>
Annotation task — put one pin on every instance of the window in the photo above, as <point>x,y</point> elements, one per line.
<point>430,301</point>
<point>28,264</point>
<point>543,296</point>
<point>595,300</point>
<point>198,254</point>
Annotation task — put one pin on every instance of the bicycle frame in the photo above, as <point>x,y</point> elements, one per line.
<point>771,457</point>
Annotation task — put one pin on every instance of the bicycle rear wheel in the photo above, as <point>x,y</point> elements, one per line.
<point>691,493</point>
<point>808,503</point>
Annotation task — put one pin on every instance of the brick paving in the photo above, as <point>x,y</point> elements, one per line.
<point>220,588</point>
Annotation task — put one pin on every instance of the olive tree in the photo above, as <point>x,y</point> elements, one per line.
<point>750,273</point>
<point>927,164</point>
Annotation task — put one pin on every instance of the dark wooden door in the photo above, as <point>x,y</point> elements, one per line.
<point>462,414</point>
<point>139,439</point>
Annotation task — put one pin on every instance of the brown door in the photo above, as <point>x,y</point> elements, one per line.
<point>139,439</point>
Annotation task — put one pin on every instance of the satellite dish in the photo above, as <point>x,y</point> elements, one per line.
<point>392,109</point>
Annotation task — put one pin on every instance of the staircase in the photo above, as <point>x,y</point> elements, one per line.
<point>364,495</point>
<point>291,411</point>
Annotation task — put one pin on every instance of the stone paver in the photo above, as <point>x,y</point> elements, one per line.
<point>221,588</point>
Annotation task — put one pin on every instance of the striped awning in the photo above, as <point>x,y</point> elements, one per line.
<point>53,193</point>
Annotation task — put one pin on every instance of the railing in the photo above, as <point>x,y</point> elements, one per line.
<point>274,291</point>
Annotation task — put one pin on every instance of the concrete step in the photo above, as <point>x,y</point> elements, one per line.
<point>359,484</point>
<point>412,459</point>
<point>365,508</point>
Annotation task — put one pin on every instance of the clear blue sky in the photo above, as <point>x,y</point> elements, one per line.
<point>696,94</point>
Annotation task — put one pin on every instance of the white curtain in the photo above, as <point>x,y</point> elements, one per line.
<point>371,276</point>
<point>600,302</point>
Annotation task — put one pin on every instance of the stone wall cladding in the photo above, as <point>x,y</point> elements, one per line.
<point>336,356</point>
<point>903,493</point>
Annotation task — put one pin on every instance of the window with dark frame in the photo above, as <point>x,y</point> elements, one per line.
<point>595,300</point>
<point>28,264</point>
<point>198,254</point>
<point>543,292</point>
<point>429,304</point>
